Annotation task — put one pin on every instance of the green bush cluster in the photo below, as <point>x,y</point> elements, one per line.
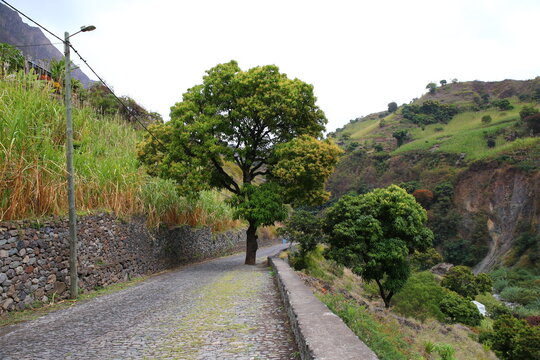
<point>430,112</point>
<point>513,339</point>
<point>461,280</point>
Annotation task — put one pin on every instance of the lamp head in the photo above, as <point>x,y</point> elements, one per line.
<point>88,28</point>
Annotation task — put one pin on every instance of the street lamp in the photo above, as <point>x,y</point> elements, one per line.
<point>73,289</point>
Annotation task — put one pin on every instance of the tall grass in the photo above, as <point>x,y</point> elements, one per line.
<point>32,164</point>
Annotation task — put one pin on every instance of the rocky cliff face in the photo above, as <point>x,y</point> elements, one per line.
<point>509,197</point>
<point>15,32</point>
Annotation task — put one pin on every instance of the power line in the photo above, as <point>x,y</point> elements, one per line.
<point>130,111</point>
<point>117,98</point>
<point>29,45</point>
<point>32,20</point>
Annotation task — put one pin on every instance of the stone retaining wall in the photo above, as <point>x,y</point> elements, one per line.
<point>319,333</point>
<point>34,256</point>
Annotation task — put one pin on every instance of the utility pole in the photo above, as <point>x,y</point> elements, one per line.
<point>73,244</point>
<point>73,276</point>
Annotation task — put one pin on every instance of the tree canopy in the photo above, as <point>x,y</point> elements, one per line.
<point>461,280</point>
<point>11,56</point>
<point>374,234</point>
<point>238,129</point>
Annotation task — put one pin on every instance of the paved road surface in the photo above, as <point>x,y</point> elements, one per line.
<point>218,309</point>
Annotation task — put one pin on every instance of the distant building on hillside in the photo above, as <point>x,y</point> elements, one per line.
<point>40,67</point>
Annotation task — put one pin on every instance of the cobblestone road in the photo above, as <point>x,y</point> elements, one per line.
<point>214,310</point>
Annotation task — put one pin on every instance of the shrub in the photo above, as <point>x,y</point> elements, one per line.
<point>392,107</point>
<point>526,111</point>
<point>461,280</point>
<point>458,309</point>
<point>430,112</point>
<point>426,260</point>
<point>533,122</point>
<point>420,297</point>
<point>486,119</point>
<point>502,104</point>
<point>514,339</point>
<point>519,295</point>
<point>304,228</point>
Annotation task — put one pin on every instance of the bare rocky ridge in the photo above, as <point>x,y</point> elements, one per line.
<point>508,196</point>
<point>14,31</point>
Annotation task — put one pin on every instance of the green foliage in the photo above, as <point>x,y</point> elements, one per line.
<point>387,344</point>
<point>58,69</point>
<point>12,57</point>
<point>392,107</point>
<point>502,104</point>
<point>304,228</point>
<point>443,82</point>
<point>486,119</point>
<point>260,205</point>
<point>302,167</point>
<point>409,186</point>
<point>373,235</point>
<point>513,339</point>
<point>432,87</point>
<point>420,297</point>
<point>445,351</point>
<point>425,260</point>
<point>461,280</point>
<point>469,251</point>
<point>400,136</point>
<point>430,112</point>
<point>456,308</point>
<point>527,111</point>
<point>520,286</point>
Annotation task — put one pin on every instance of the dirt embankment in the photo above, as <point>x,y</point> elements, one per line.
<point>510,199</point>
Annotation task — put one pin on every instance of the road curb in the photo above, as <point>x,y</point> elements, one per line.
<point>319,333</point>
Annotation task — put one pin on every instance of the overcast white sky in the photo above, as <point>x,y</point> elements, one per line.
<point>359,55</point>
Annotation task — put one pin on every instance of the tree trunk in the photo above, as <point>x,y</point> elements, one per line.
<point>251,245</point>
<point>386,297</point>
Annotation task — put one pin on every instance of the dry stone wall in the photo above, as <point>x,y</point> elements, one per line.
<point>34,256</point>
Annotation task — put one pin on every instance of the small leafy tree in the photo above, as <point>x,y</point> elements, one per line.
<point>304,228</point>
<point>10,56</point>
<point>374,234</point>
<point>400,136</point>
<point>392,107</point>
<point>432,87</point>
<point>443,82</point>
<point>461,280</point>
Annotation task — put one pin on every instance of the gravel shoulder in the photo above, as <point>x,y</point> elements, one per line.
<point>219,309</point>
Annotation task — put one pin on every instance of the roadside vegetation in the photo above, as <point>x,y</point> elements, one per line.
<point>368,258</point>
<point>108,177</point>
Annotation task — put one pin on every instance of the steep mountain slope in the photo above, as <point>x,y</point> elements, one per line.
<point>475,166</point>
<point>15,32</point>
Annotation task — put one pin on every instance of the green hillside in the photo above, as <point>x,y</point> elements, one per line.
<point>475,144</point>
